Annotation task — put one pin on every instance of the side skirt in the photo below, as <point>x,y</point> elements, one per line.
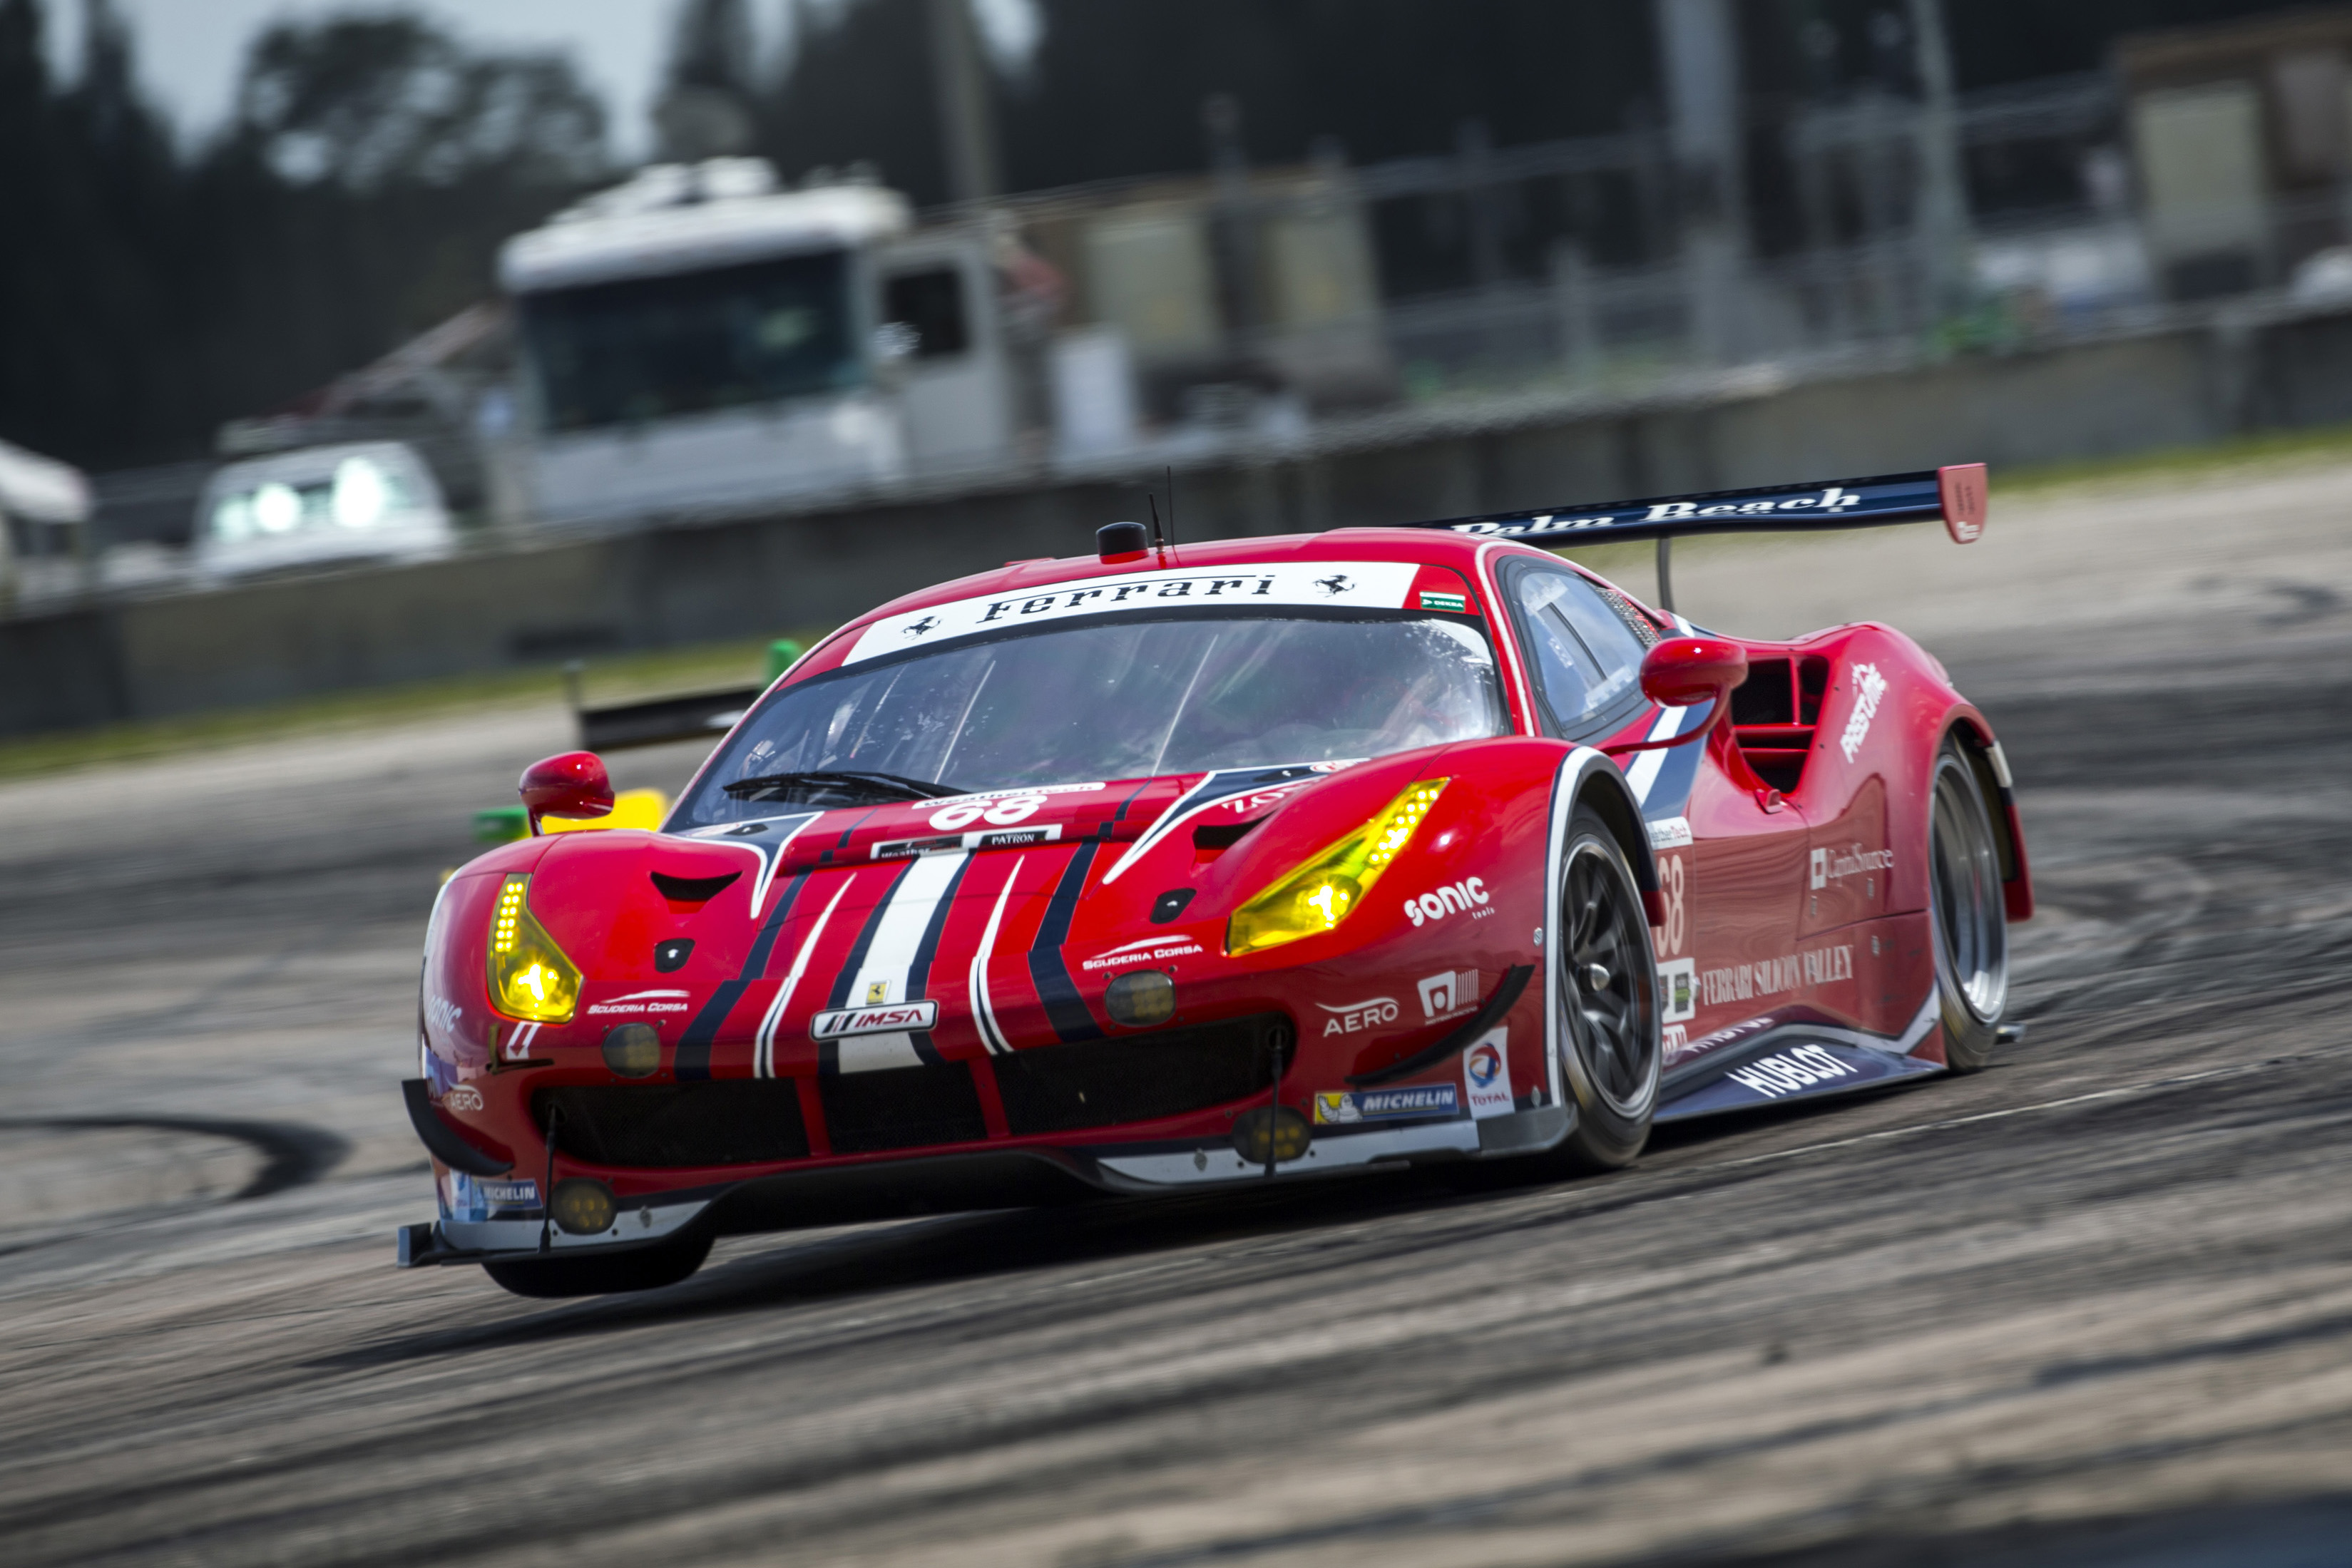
<point>1797,1060</point>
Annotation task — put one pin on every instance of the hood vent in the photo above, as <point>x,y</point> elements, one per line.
<point>692,889</point>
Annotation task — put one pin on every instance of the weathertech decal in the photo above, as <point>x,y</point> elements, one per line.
<point>1369,585</point>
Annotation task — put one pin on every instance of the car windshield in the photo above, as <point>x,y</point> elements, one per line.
<point>654,348</point>
<point>1128,698</point>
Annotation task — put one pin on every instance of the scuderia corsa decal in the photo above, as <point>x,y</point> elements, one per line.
<point>1349,584</point>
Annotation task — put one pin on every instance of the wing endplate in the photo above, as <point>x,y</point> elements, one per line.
<point>1955,495</point>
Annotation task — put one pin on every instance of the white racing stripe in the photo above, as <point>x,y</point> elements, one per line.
<point>1643,773</point>
<point>881,980</point>
<point>765,1054</point>
<point>982,1009</point>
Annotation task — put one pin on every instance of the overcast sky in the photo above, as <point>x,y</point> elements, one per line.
<point>189,50</point>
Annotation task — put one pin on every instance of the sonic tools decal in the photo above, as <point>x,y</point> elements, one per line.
<point>1446,996</point>
<point>1869,690</point>
<point>1451,899</point>
<point>1387,1104</point>
<point>842,1023</point>
<point>1487,1068</point>
<point>1352,1018</point>
<point>1789,1071</point>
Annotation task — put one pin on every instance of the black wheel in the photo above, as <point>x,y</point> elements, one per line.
<point>1607,992</point>
<point>1970,913</point>
<point>646,1269</point>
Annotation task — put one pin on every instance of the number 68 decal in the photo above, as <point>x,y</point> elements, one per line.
<point>996,814</point>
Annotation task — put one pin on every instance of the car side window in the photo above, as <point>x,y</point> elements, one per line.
<point>1588,662</point>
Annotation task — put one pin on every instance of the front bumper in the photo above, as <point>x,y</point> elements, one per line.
<point>912,1187</point>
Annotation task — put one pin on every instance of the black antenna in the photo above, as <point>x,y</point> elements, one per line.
<point>1172,509</point>
<point>1159,539</point>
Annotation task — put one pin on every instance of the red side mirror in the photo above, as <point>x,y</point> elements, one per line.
<point>569,784</point>
<point>1684,672</point>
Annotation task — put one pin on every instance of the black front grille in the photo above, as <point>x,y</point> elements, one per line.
<point>901,1108</point>
<point>656,1126</point>
<point>1138,1077</point>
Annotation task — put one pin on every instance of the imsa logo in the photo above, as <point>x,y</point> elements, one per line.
<point>842,1023</point>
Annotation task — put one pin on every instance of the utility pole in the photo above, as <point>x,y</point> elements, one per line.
<point>1698,47</point>
<point>967,128</point>
<point>1943,192</point>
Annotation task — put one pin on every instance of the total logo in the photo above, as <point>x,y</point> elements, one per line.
<point>1487,1072</point>
<point>1354,1017</point>
<point>1869,690</point>
<point>1442,995</point>
<point>1453,898</point>
<point>1836,865</point>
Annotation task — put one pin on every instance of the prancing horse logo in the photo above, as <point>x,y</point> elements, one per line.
<point>1339,582</point>
<point>920,627</point>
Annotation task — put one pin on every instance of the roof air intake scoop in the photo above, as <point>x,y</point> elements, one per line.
<point>1118,543</point>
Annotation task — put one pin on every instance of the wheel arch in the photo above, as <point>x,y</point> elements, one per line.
<point>1991,765</point>
<point>1587,777</point>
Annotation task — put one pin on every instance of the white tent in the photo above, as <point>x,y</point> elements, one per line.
<point>38,489</point>
<point>41,488</point>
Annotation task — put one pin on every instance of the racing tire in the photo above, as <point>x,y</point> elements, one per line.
<point>1612,1052</point>
<point>1967,912</point>
<point>644,1268</point>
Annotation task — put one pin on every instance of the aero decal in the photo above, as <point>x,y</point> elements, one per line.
<point>1223,784</point>
<point>764,1064</point>
<point>1064,1008</point>
<point>882,965</point>
<point>1352,584</point>
<point>983,1009</point>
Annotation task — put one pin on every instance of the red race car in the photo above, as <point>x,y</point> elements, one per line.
<point>1175,868</point>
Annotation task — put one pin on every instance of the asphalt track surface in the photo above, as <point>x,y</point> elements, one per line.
<point>2091,1306</point>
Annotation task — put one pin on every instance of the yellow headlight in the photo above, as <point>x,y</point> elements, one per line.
<point>529,976</point>
<point>1319,894</point>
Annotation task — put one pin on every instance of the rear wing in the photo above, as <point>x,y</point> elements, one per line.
<point>1955,495</point>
